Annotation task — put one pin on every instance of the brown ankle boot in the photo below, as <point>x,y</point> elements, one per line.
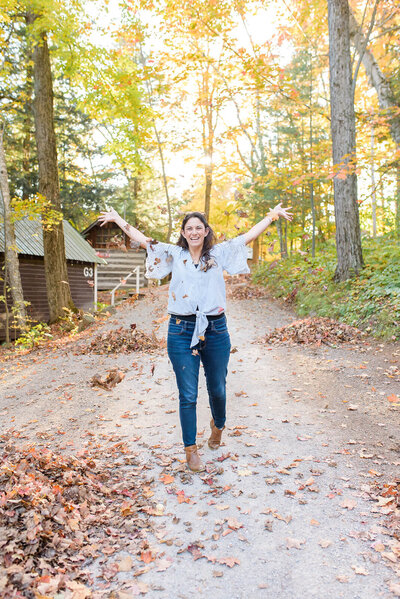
<point>215,438</point>
<point>193,459</point>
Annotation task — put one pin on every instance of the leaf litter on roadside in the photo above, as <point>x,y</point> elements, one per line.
<point>59,513</point>
<point>122,340</point>
<point>314,331</point>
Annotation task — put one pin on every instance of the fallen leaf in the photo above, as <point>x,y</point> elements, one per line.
<point>125,564</point>
<point>234,524</point>
<point>229,561</point>
<point>394,587</point>
<point>314,522</point>
<point>393,398</point>
<point>349,504</point>
<point>292,543</point>
<point>167,479</point>
<point>360,570</point>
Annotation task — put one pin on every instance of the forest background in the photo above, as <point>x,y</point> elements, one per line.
<point>223,107</point>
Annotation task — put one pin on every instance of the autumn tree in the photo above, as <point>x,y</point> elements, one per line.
<point>58,290</point>
<point>348,237</point>
<point>11,265</point>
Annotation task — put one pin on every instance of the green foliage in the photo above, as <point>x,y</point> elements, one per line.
<point>371,301</point>
<point>34,336</point>
<point>101,306</point>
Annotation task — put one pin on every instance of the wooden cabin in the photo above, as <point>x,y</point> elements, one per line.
<point>113,245</point>
<point>82,264</point>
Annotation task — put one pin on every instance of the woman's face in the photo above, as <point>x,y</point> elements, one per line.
<point>195,232</point>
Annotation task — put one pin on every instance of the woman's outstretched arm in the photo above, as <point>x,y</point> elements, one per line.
<point>260,227</point>
<point>137,236</point>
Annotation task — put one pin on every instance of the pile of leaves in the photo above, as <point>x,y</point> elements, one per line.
<point>387,503</point>
<point>369,301</point>
<point>243,291</point>
<point>122,341</point>
<point>314,331</point>
<point>240,287</point>
<point>59,513</point>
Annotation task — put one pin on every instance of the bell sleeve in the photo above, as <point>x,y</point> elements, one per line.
<point>232,255</point>
<point>160,257</point>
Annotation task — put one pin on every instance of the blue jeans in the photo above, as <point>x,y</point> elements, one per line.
<point>214,354</point>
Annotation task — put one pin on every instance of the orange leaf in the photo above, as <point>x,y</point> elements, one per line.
<point>393,398</point>
<point>167,479</point>
<point>147,556</point>
<point>182,498</point>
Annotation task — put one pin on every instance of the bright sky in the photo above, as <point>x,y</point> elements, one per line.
<point>262,26</point>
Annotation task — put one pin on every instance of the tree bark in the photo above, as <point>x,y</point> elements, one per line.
<point>397,211</point>
<point>58,290</point>
<point>11,254</point>
<point>377,79</point>
<point>256,251</point>
<point>373,184</point>
<point>27,129</point>
<point>348,237</point>
<point>206,95</point>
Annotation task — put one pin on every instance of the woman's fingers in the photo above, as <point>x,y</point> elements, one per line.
<point>106,217</point>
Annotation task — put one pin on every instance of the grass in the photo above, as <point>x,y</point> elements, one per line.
<point>370,301</point>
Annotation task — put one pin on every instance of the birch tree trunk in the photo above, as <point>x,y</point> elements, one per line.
<point>348,237</point>
<point>58,290</point>
<point>11,254</point>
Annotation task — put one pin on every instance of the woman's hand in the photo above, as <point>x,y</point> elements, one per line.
<point>282,212</point>
<point>108,217</point>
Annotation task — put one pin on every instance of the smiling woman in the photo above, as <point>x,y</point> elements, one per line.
<point>197,330</point>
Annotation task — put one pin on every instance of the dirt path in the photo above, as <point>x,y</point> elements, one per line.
<point>284,510</point>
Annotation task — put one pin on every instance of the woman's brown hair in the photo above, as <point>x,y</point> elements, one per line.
<point>209,239</point>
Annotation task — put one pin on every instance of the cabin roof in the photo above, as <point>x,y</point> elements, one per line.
<point>29,239</point>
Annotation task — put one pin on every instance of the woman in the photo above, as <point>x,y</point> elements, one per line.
<point>197,329</point>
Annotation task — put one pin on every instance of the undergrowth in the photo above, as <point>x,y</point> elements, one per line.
<point>370,301</point>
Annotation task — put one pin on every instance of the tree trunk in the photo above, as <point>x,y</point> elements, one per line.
<point>27,129</point>
<point>11,254</point>
<point>312,203</point>
<point>149,91</point>
<point>373,185</point>
<point>397,212</point>
<point>256,251</point>
<point>206,104</point>
<point>377,79</point>
<point>348,237</point>
<point>58,290</point>
<point>282,239</point>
